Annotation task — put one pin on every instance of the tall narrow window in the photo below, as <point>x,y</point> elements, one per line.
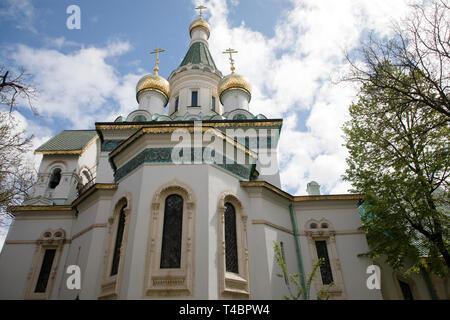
<point>194,99</point>
<point>46,268</point>
<point>118,243</point>
<point>231,252</point>
<point>176,104</point>
<point>213,103</point>
<point>325,268</point>
<point>55,178</point>
<point>406,290</point>
<point>172,232</point>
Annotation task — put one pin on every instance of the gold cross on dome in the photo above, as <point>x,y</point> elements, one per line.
<point>230,52</point>
<point>200,8</point>
<point>157,51</point>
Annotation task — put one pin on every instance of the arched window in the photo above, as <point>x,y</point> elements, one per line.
<point>321,238</point>
<point>44,266</point>
<point>85,177</point>
<point>115,250</point>
<point>55,178</point>
<point>231,253</point>
<point>172,232</point>
<point>232,247</point>
<point>170,261</point>
<point>118,242</point>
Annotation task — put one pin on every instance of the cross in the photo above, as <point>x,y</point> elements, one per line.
<point>230,52</point>
<point>200,8</point>
<point>157,51</point>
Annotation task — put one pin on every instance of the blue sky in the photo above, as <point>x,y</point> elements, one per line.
<point>289,50</point>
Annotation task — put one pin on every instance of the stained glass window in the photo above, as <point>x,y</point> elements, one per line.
<point>172,229</point>
<point>46,268</point>
<point>231,253</point>
<point>325,268</point>
<point>118,244</point>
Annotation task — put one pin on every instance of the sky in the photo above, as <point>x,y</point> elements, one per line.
<point>291,51</point>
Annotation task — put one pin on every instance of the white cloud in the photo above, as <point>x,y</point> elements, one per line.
<point>292,72</point>
<point>77,86</point>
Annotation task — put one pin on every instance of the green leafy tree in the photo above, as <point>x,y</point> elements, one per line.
<point>292,280</point>
<point>399,157</point>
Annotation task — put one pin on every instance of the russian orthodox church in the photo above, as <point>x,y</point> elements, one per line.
<point>181,199</point>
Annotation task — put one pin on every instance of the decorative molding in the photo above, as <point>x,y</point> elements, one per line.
<point>91,227</point>
<point>273,225</point>
<point>164,155</point>
<point>268,186</point>
<point>213,123</point>
<point>171,282</point>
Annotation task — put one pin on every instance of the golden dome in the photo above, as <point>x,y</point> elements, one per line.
<point>153,82</point>
<point>200,23</point>
<point>233,81</point>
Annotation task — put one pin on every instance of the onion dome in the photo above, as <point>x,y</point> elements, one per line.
<point>153,82</point>
<point>201,24</point>
<point>233,81</point>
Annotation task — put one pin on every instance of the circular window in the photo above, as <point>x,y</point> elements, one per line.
<point>313,226</point>
<point>324,225</point>
<point>58,234</point>
<point>47,235</point>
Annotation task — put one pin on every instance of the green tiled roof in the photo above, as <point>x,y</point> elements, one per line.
<point>198,53</point>
<point>68,140</point>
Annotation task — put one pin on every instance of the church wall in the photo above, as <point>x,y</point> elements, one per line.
<point>12,279</point>
<point>19,249</point>
<point>345,220</point>
<point>142,191</point>
<point>89,159</point>
<point>267,207</point>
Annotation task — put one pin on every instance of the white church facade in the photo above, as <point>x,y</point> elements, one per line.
<point>182,199</point>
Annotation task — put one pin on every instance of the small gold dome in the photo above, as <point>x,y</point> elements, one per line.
<point>200,23</point>
<point>153,82</point>
<point>233,81</point>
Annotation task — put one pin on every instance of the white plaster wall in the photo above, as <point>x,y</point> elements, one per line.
<point>343,215</point>
<point>152,101</point>
<point>234,99</point>
<point>16,259</point>
<point>190,80</point>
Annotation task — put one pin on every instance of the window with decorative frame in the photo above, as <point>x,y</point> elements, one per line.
<point>44,265</point>
<point>234,280</point>
<point>170,260</point>
<point>406,287</point>
<point>322,244</point>
<point>114,258</point>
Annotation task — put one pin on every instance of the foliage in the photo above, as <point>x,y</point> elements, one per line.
<point>293,280</point>
<point>399,157</point>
